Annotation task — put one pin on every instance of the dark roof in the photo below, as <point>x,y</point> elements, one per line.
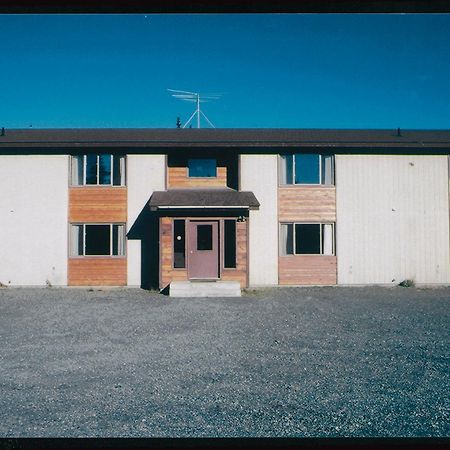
<point>221,137</point>
<point>201,198</point>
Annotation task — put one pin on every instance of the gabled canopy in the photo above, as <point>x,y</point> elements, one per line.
<point>203,198</point>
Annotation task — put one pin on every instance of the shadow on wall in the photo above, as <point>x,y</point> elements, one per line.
<point>146,229</point>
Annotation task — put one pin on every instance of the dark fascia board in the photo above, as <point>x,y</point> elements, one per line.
<point>243,140</point>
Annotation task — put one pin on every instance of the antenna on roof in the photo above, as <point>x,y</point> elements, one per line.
<point>197,98</point>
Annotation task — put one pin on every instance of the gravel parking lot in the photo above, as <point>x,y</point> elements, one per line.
<point>278,362</point>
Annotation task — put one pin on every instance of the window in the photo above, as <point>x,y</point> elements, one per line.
<point>306,239</point>
<point>92,169</point>
<point>202,168</point>
<point>306,168</point>
<point>229,236</point>
<point>204,237</point>
<point>179,246</point>
<point>97,239</point>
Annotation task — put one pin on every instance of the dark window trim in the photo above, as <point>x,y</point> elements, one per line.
<point>83,256</point>
<point>198,177</point>
<point>321,155</point>
<point>97,185</point>
<point>321,243</point>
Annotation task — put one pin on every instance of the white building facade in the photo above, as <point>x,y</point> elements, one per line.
<point>260,207</point>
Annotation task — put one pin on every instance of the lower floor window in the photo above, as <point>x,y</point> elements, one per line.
<point>106,239</point>
<point>179,246</point>
<point>307,239</point>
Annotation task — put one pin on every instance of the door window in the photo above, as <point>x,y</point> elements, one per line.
<point>204,237</point>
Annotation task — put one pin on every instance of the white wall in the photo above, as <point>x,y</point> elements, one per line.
<point>145,174</point>
<point>392,219</point>
<point>33,219</point>
<point>259,174</point>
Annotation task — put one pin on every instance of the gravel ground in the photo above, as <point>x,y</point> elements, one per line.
<point>277,362</point>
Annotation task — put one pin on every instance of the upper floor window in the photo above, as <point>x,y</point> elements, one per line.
<point>92,169</point>
<point>202,168</point>
<point>306,168</point>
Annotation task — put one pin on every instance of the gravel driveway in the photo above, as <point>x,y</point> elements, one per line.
<point>278,362</point>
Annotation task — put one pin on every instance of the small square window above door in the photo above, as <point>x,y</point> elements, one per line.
<point>202,168</point>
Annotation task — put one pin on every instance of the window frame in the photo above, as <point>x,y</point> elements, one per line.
<point>235,243</point>
<point>111,238</point>
<point>333,234</point>
<point>97,184</point>
<point>321,175</point>
<point>199,159</point>
<point>185,243</point>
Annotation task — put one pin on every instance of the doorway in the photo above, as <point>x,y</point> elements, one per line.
<point>203,250</point>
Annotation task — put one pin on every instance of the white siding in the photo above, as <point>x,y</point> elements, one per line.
<point>33,219</point>
<point>259,174</point>
<point>392,219</point>
<point>145,174</point>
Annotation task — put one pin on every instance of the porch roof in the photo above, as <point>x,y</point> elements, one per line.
<point>203,198</point>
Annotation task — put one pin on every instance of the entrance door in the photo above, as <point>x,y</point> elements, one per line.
<point>203,250</point>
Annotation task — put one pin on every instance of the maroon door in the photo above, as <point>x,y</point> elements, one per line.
<point>203,250</point>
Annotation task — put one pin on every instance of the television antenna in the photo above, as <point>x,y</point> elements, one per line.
<point>196,98</point>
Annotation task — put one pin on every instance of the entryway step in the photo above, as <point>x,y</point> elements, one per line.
<point>205,289</point>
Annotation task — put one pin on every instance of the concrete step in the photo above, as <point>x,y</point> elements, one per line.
<point>205,289</point>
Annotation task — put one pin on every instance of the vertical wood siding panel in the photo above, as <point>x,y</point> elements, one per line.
<point>145,174</point>
<point>97,271</point>
<point>307,203</point>
<point>33,219</point>
<point>392,218</point>
<point>97,204</point>
<point>177,177</point>
<point>259,174</point>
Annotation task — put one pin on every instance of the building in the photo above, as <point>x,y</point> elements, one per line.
<point>261,207</point>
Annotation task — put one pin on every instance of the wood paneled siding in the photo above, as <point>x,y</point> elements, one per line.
<point>97,271</point>
<point>316,204</point>
<point>97,204</point>
<point>177,177</point>
<point>240,272</point>
<point>307,269</point>
<point>168,273</point>
<point>307,203</point>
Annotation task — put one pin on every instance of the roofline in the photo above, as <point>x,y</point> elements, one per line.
<point>250,138</point>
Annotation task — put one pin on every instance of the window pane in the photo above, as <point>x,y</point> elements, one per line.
<point>307,169</point>
<point>204,237</point>
<point>104,173</point>
<point>97,240</point>
<point>91,169</point>
<point>286,239</point>
<point>179,256</point>
<point>286,169</point>
<point>76,240</point>
<point>119,170</point>
<point>77,170</point>
<point>327,169</point>
<point>202,167</point>
<point>307,239</point>
<point>327,239</point>
<point>230,243</point>
<point>118,240</point>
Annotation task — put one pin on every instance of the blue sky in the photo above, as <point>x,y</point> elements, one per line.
<point>275,70</point>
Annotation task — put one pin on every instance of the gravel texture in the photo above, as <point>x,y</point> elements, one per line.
<point>329,361</point>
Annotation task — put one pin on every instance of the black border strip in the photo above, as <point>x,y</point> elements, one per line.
<point>223,6</point>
